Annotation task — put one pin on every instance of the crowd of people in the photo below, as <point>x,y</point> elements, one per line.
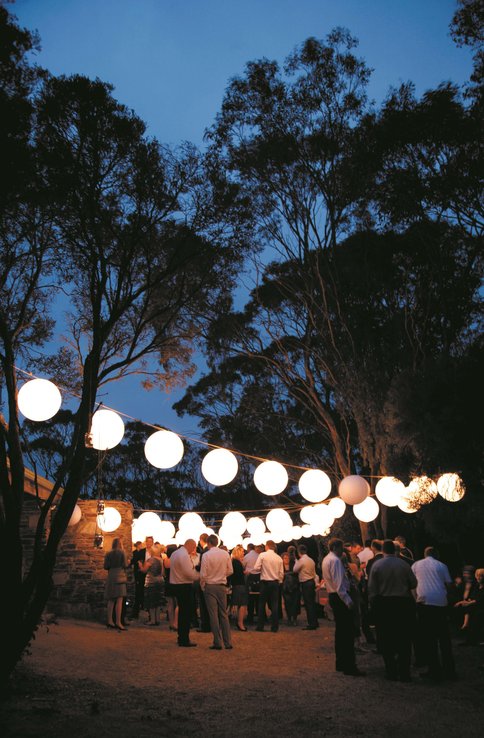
<point>380,599</point>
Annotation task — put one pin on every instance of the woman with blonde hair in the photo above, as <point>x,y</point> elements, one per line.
<point>154,583</point>
<point>115,562</point>
<point>236,580</point>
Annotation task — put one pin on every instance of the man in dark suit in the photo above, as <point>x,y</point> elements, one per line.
<point>140,555</point>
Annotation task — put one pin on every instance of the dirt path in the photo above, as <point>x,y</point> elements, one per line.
<point>83,681</point>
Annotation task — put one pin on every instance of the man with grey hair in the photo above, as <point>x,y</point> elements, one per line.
<point>215,567</point>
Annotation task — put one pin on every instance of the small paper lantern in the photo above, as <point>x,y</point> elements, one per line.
<point>256,526</point>
<point>39,399</point>
<point>296,532</point>
<point>164,449</point>
<point>389,490</point>
<point>148,524</point>
<point>109,520</point>
<point>422,490</point>
<point>191,524</point>
<point>367,510</point>
<point>337,507</point>
<point>270,478</point>
<point>107,429</point>
<point>321,519</point>
<point>306,531</point>
<point>166,532</point>
<point>234,522</point>
<point>353,489</point>
<point>306,514</point>
<point>219,467</point>
<point>75,517</point>
<point>278,520</point>
<point>407,504</point>
<point>451,487</point>
<point>314,485</point>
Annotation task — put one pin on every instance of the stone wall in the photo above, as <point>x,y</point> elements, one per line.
<point>79,577</point>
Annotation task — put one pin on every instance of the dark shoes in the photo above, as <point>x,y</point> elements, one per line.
<point>187,645</point>
<point>310,627</point>
<point>215,648</point>
<point>354,672</point>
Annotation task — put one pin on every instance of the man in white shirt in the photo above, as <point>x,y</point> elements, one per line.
<point>338,588</point>
<point>271,569</point>
<point>216,566</point>
<point>182,575</point>
<point>306,571</point>
<point>433,578</point>
<point>251,580</point>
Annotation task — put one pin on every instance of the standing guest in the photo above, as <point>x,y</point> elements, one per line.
<point>271,569</point>
<point>402,550</point>
<point>391,592</point>
<point>291,594</point>
<point>154,583</point>
<point>216,566</point>
<point>171,605</point>
<point>252,580</point>
<point>115,562</point>
<point>473,607</point>
<point>202,549</point>
<point>338,588</point>
<point>433,580</point>
<point>305,568</point>
<point>239,597</point>
<point>376,547</point>
<point>182,575</point>
<point>139,578</point>
<point>365,554</point>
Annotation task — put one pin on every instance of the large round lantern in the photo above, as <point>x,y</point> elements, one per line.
<point>148,524</point>
<point>306,531</point>
<point>39,399</point>
<point>191,524</point>
<point>315,485</point>
<point>353,489</point>
<point>367,510</point>
<point>234,522</point>
<point>296,532</point>
<point>407,503</point>
<point>337,507</point>
<point>389,490</point>
<point>451,487</point>
<point>166,532</point>
<point>164,449</point>
<point>306,514</point>
<point>219,467</point>
<point>422,490</point>
<point>109,520</point>
<point>270,478</point>
<point>256,526</point>
<point>107,429</point>
<point>278,520</point>
<point>75,517</point>
<point>321,519</point>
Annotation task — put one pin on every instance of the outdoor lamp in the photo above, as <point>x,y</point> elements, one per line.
<point>367,510</point>
<point>109,520</point>
<point>256,526</point>
<point>75,517</point>
<point>278,520</point>
<point>164,449</point>
<point>315,485</point>
<point>337,507</point>
<point>219,466</point>
<point>451,487</point>
<point>39,399</point>
<point>235,523</point>
<point>107,429</point>
<point>389,490</point>
<point>353,489</point>
<point>270,478</point>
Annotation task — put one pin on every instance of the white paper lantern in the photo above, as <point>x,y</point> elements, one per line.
<point>109,520</point>
<point>107,429</point>
<point>389,490</point>
<point>270,478</point>
<point>407,505</point>
<point>39,399</point>
<point>219,467</point>
<point>191,524</point>
<point>321,519</point>
<point>148,524</point>
<point>337,507</point>
<point>235,522</point>
<point>451,487</point>
<point>296,532</point>
<point>422,490</point>
<point>367,510</point>
<point>164,449</point>
<point>353,489</point>
<point>306,514</point>
<point>256,526</point>
<point>278,520</point>
<point>315,485</point>
<point>306,531</point>
<point>75,517</point>
<point>166,532</point>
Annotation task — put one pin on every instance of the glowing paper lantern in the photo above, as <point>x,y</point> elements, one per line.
<point>234,522</point>
<point>367,510</point>
<point>148,524</point>
<point>337,507</point>
<point>278,520</point>
<point>407,505</point>
<point>451,487</point>
<point>422,490</point>
<point>314,485</point>
<point>164,449</point>
<point>353,489</point>
<point>306,514</point>
<point>39,399</point>
<point>306,531</point>
<point>166,531</point>
<point>256,526</point>
<point>321,519</point>
<point>270,478</point>
<point>389,490</point>
<point>191,524</point>
<point>296,532</point>
<point>219,467</point>
<point>137,532</point>
<point>107,429</point>
<point>76,516</point>
<point>109,520</point>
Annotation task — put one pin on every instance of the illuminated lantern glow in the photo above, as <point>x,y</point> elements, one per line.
<point>337,507</point>
<point>270,478</point>
<point>389,490</point>
<point>166,532</point>
<point>164,449</point>
<point>278,521</point>
<point>321,519</point>
<point>314,485</point>
<point>306,514</point>
<point>367,510</point>
<point>296,532</point>
<point>407,504</point>
<point>109,520</point>
<point>75,517</point>
<point>256,526</point>
<point>421,490</point>
<point>219,467</point>
<point>191,524</point>
<point>353,489</point>
<point>306,531</point>
<point>148,524</point>
<point>451,487</point>
<point>107,429</point>
<point>234,522</point>
<point>39,399</point>
<point>137,532</point>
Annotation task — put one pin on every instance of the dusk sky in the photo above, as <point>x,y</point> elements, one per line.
<point>171,60</point>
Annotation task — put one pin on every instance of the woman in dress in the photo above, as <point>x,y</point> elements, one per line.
<point>115,562</point>
<point>240,597</point>
<point>154,584</point>
<point>291,593</point>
